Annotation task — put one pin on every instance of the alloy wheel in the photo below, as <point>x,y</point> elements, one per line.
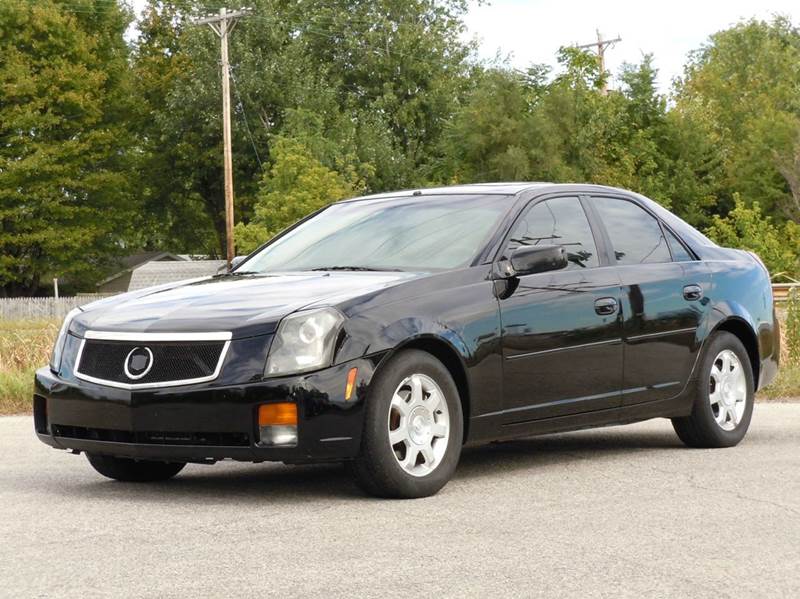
<point>419,425</point>
<point>727,391</point>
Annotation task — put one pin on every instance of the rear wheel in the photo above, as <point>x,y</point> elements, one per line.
<point>128,470</point>
<point>724,396</point>
<point>413,428</point>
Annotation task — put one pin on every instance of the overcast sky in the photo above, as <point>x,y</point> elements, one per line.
<point>531,31</point>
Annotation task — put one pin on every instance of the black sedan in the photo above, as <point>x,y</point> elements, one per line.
<point>388,331</point>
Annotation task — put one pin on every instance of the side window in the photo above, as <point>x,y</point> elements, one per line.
<point>560,221</point>
<point>679,253</point>
<point>635,234</point>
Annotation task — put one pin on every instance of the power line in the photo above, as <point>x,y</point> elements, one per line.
<point>244,116</point>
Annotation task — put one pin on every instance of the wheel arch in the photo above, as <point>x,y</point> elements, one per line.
<point>741,329</point>
<point>442,350</point>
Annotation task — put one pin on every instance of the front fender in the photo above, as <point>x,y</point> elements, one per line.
<point>461,312</point>
<point>367,335</point>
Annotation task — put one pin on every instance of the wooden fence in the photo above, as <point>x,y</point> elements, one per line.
<point>43,308</point>
<point>780,291</point>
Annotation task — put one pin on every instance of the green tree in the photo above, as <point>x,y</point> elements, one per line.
<point>489,138</point>
<point>295,186</point>
<point>65,205</point>
<point>740,92</point>
<point>522,126</point>
<point>366,86</point>
<point>174,215</point>
<point>746,227</point>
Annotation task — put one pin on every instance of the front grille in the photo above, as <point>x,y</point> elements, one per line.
<point>152,437</point>
<point>104,360</point>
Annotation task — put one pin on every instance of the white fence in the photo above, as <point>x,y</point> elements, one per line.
<point>43,308</point>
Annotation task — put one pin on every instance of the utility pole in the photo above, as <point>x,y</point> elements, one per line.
<point>222,25</point>
<point>601,46</point>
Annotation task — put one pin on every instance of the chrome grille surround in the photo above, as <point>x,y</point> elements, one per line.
<point>145,338</point>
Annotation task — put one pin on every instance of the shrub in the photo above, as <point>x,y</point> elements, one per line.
<point>791,329</point>
<point>295,186</point>
<point>746,227</point>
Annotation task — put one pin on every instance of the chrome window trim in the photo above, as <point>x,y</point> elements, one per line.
<point>151,337</point>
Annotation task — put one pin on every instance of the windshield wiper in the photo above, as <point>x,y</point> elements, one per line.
<point>358,268</point>
<point>239,273</point>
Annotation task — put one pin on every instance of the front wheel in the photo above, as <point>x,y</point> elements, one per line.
<point>128,470</point>
<point>413,428</point>
<point>724,396</point>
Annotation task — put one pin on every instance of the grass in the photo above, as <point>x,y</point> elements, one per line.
<point>786,386</point>
<point>25,346</point>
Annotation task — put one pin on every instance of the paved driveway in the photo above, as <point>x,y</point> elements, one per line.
<point>623,511</point>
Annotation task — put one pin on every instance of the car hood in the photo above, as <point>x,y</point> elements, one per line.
<point>244,305</point>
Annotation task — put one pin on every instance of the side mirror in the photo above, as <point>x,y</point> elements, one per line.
<point>237,261</point>
<point>530,259</point>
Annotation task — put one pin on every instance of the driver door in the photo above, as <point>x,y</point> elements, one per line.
<point>562,345</point>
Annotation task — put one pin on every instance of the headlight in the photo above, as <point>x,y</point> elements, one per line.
<point>304,341</point>
<point>61,340</point>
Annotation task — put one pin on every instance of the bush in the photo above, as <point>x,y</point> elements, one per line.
<point>747,228</point>
<point>295,186</point>
<point>791,329</point>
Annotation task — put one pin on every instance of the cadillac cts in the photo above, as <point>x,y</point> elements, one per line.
<point>388,331</point>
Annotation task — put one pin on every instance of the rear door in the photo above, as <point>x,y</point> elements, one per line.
<point>663,299</point>
<point>562,344</point>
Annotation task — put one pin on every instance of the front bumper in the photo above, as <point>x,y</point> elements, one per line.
<point>203,423</point>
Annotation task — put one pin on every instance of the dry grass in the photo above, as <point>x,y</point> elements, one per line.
<point>786,386</point>
<point>24,347</point>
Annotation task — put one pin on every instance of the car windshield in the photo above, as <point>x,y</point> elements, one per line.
<point>414,234</point>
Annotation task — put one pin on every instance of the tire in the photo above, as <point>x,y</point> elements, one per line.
<point>720,414</point>
<point>404,403</point>
<point>127,470</point>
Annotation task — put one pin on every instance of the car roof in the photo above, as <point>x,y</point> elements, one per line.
<point>695,238</point>
<point>499,188</point>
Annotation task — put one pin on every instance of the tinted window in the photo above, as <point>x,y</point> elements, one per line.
<point>635,235</point>
<point>417,233</point>
<point>679,253</point>
<point>560,221</point>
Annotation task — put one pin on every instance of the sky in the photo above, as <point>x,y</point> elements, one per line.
<point>531,31</point>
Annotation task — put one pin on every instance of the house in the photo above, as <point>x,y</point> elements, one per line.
<point>158,273</point>
<point>154,268</point>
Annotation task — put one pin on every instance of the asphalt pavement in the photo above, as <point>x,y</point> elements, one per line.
<point>613,512</point>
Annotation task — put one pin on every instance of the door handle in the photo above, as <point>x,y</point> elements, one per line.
<point>605,306</point>
<point>692,293</point>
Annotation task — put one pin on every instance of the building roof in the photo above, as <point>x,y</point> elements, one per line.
<point>129,263</point>
<point>157,273</point>
<point>135,260</point>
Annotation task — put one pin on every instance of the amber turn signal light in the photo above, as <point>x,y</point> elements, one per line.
<point>351,384</point>
<point>277,414</point>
